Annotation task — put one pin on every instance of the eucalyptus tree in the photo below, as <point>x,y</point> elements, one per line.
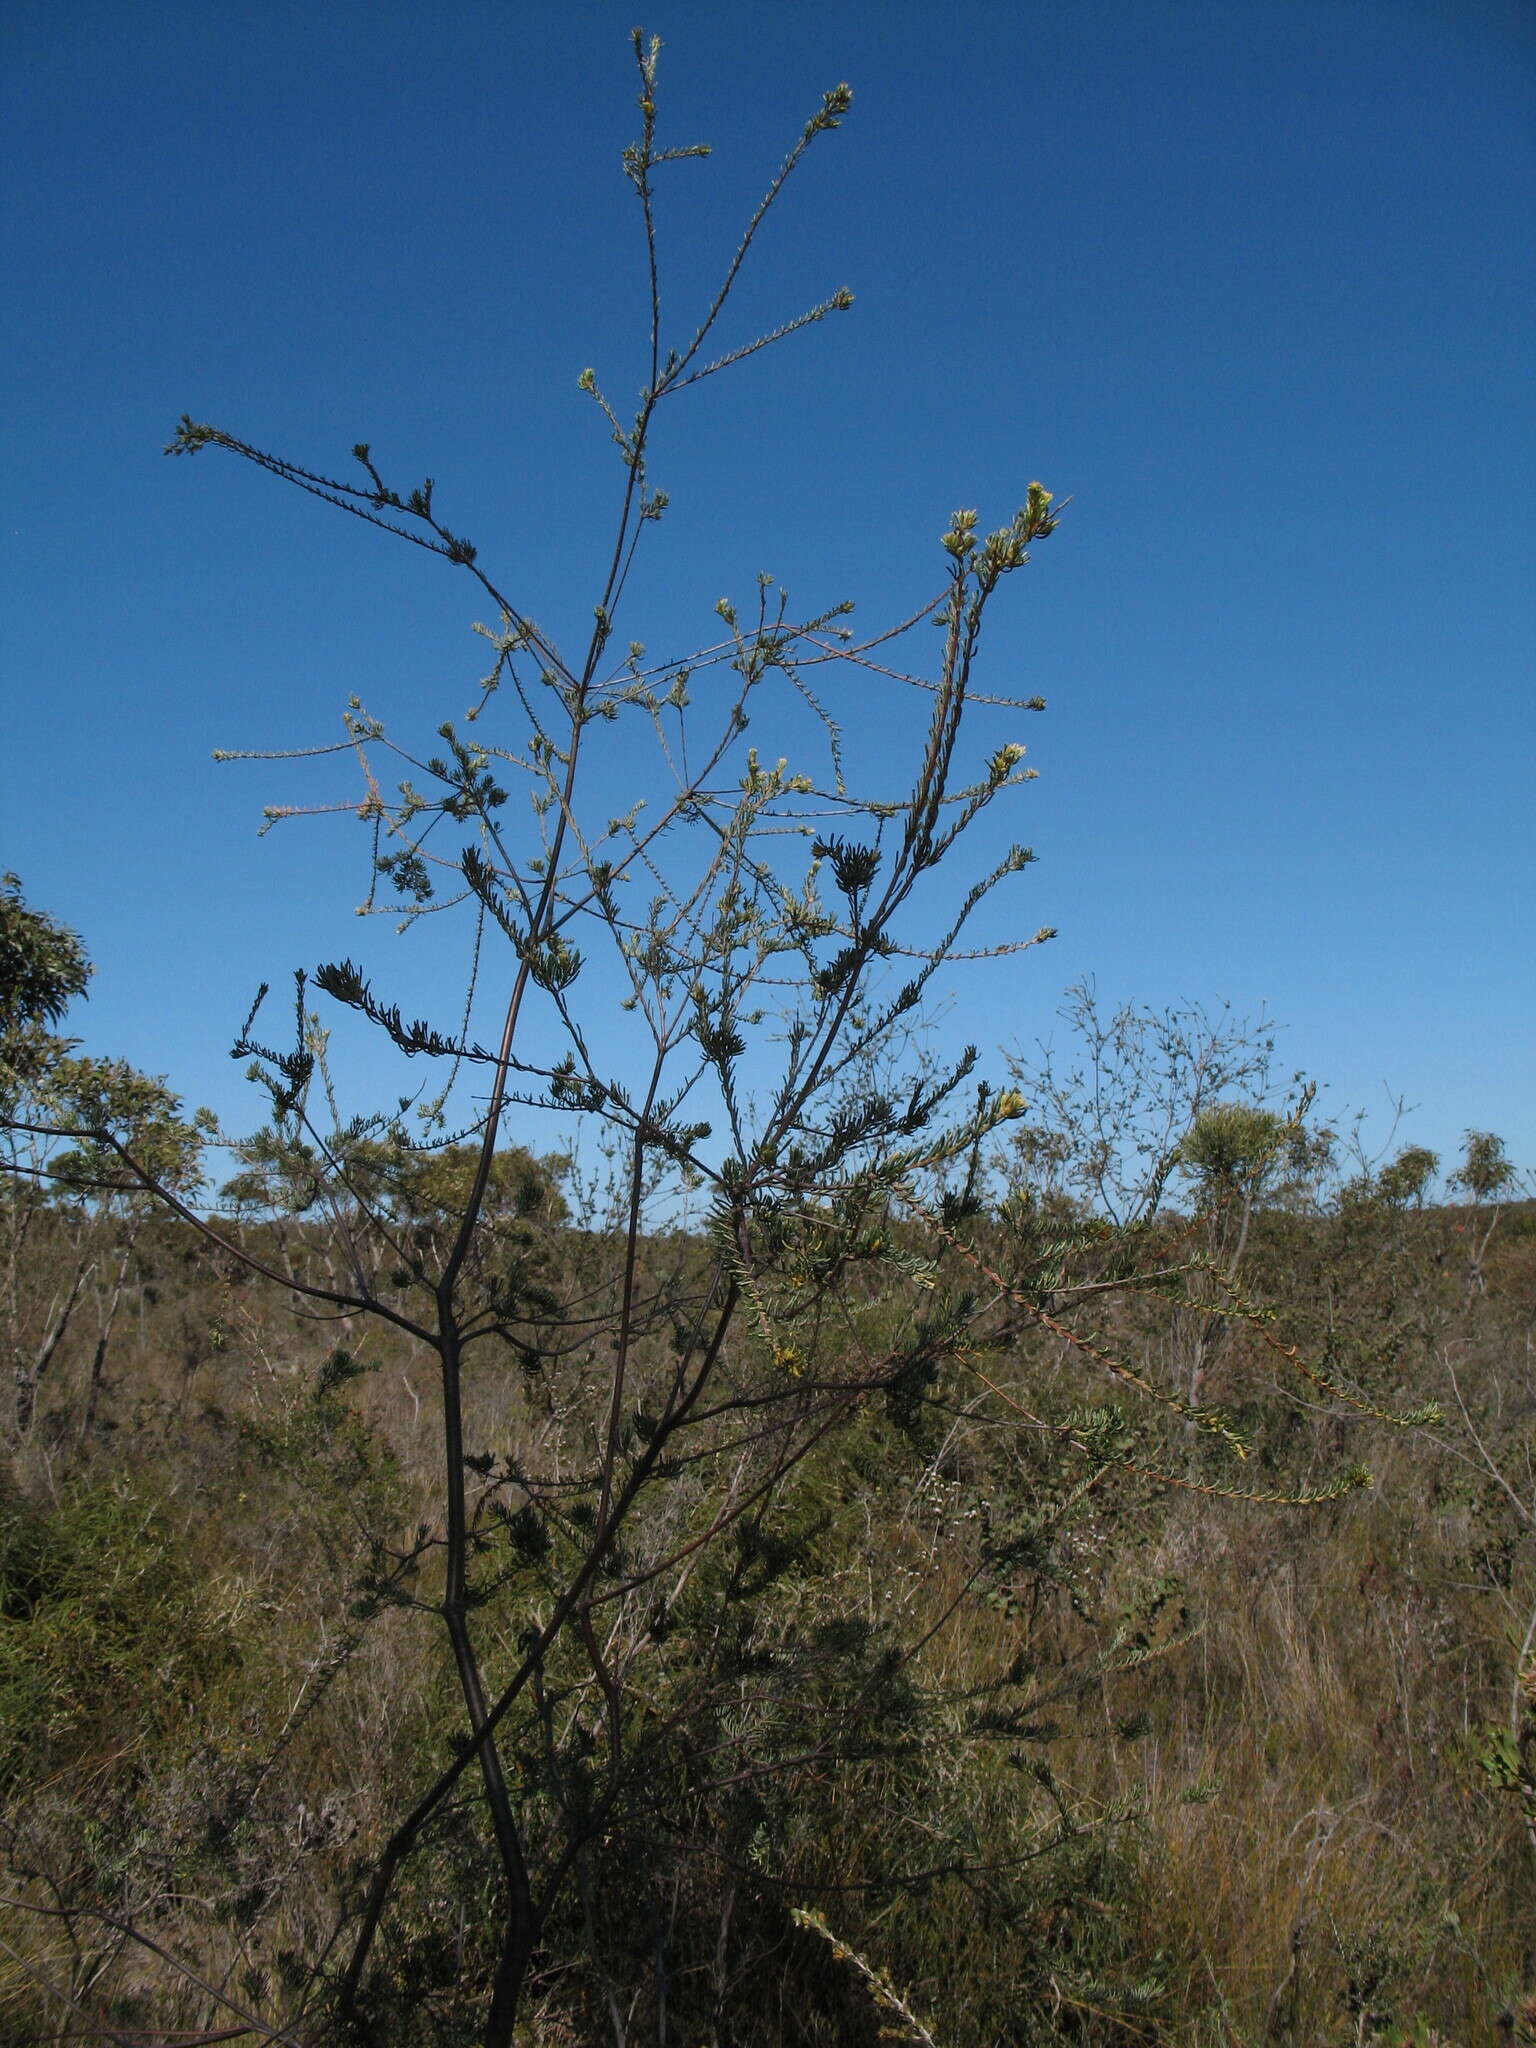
<point>71,1214</point>
<point>1486,1177</point>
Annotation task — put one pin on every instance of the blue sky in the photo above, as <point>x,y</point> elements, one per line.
<point>1252,285</point>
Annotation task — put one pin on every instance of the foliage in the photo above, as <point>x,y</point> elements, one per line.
<point>1228,1751</point>
<point>107,1632</point>
<point>1405,1180</point>
<point>636,1584</point>
<point>1118,1108</point>
<point>43,968</point>
<point>1231,1145</point>
<point>68,1126</point>
<point>1485,1171</point>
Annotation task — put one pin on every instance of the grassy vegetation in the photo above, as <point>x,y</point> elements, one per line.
<point>1187,1771</point>
<point>939,1599</point>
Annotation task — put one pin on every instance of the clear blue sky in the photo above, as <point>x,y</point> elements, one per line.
<point>1252,284</point>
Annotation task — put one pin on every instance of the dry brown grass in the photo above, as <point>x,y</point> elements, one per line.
<point>1283,1827</point>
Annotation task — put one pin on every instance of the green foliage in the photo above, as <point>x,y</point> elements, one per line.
<point>1485,1172</point>
<point>419,1186</point>
<point>1231,1145</point>
<point>1404,1181</point>
<point>342,1480</point>
<point>43,968</point>
<point>108,1633</point>
<point>87,1148</point>
<point>1133,1094</point>
<point>131,1111</point>
<point>105,1104</point>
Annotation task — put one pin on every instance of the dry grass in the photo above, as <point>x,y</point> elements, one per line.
<point>1268,1816</point>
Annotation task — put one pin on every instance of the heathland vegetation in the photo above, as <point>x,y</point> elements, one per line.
<point>761,1535</point>
<point>973,1724</point>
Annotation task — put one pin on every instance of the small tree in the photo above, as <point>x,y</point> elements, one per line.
<point>43,968</point>
<point>1485,1171</point>
<point>1114,1109</point>
<point>70,1213</point>
<point>1485,1176</point>
<point>615,1587</point>
<point>1404,1181</point>
<point>716,955</point>
<point>1141,1104</point>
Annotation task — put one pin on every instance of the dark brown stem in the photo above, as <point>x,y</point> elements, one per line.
<point>404,1839</point>
<point>455,1610</point>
